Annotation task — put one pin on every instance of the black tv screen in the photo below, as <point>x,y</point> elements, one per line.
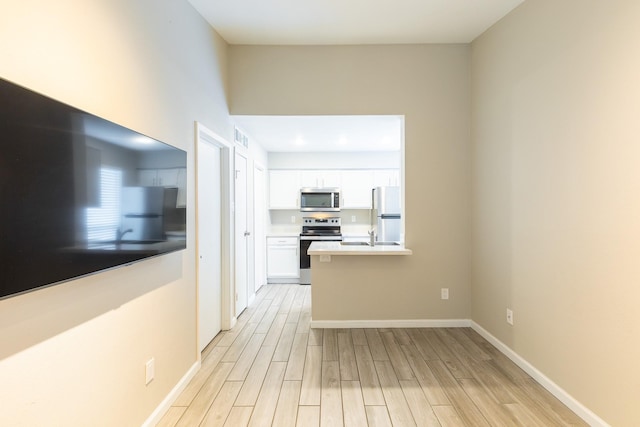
<point>80,194</point>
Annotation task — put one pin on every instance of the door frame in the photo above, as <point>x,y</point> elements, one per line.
<point>259,241</point>
<point>250,292</point>
<point>203,134</point>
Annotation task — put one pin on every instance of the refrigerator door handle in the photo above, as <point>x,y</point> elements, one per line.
<point>390,216</point>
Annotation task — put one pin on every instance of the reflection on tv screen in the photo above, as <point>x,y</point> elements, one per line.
<point>80,194</point>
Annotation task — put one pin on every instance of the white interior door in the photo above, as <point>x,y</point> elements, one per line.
<point>209,201</point>
<point>259,227</point>
<point>241,233</point>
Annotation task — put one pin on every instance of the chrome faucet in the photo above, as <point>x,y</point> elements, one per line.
<point>120,234</point>
<point>372,237</point>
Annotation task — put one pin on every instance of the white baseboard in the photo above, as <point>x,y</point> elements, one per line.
<point>164,406</point>
<point>410,323</point>
<point>283,281</point>
<point>582,411</point>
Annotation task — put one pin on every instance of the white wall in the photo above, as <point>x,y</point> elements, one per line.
<point>74,354</point>
<point>556,230</point>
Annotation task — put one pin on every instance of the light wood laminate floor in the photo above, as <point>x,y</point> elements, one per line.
<point>271,369</point>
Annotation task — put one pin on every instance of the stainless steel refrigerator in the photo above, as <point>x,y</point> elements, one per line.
<point>386,213</point>
<point>144,212</point>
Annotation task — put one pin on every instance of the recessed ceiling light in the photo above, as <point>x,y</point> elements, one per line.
<point>343,140</point>
<point>299,141</point>
<point>141,139</point>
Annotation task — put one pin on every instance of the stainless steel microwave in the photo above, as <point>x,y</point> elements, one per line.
<point>320,200</point>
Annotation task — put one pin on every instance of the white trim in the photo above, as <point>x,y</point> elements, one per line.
<point>242,152</point>
<point>582,411</point>
<point>166,403</point>
<point>228,301</point>
<point>260,242</point>
<point>283,280</point>
<point>232,323</point>
<point>392,323</point>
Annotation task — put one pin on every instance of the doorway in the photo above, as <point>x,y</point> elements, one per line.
<point>242,234</point>
<point>213,223</point>
<point>259,226</point>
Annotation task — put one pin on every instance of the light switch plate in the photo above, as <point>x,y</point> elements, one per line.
<point>510,316</point>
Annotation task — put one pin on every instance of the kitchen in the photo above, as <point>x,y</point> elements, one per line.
<point>349,154</point>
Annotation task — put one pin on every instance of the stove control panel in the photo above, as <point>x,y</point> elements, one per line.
<point>319,222</point>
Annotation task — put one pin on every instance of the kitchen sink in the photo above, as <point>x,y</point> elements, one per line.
<point>367,244</point>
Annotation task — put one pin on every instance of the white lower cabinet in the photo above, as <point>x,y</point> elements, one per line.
<point>283,261</point>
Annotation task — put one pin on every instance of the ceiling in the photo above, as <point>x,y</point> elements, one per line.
<point>343,22</point>
<point>323,133</point>
<point>330,22</point>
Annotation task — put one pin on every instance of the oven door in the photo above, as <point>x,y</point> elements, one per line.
<point>305,259</point>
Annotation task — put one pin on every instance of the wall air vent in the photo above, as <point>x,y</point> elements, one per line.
<point>241,138</point>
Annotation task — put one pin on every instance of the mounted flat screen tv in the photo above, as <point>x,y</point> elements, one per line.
<point>80,194</point>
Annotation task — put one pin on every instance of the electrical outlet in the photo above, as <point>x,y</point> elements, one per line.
<point>149,370</point>
<point>293,219</point>
<point>444,293</point>
<point>510,316</point>
<point>353,218</point>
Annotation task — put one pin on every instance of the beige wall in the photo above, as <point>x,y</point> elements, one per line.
<point>361,288</point>
<point>556,212</point>
<point>74,354</point>
<point>427,84</point>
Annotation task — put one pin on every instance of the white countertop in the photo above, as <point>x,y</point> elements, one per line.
<point>335,248</point>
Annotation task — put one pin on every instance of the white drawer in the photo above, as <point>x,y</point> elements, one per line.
<point>276,241</point>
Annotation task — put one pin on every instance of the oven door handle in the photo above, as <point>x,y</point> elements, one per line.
<point>321,238</point>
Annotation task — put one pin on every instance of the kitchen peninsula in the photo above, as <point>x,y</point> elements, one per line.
<point>357,285</point>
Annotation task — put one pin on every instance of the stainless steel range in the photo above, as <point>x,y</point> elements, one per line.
<point>315,229</point>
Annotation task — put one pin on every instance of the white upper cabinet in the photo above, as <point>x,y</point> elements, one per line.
<point>169,177</point>
<point>386,178</point>
<point>284,189</point>
<point>355,185</point>
<point>320,178</point>
<point>182,188</point>
<point>147,177</point>
<point>356,189</point>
